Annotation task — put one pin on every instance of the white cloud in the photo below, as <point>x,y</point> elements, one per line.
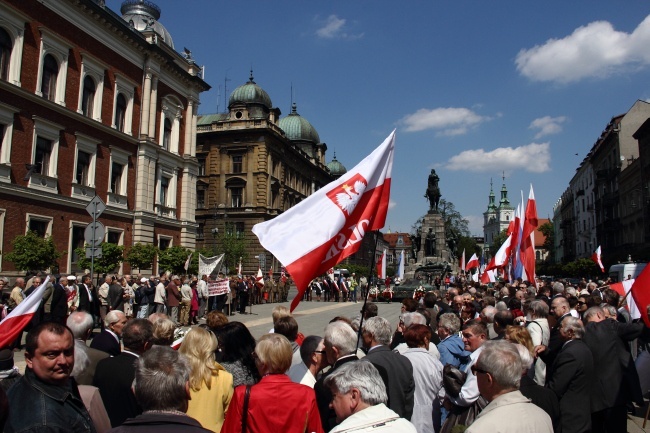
<point>547,125</point>
<point>534,157</point>
<point>446,121</point>
<point>391,204</point>
<point>592,51</point>
<point>334,28</point>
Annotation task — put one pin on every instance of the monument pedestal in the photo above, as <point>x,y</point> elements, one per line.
<point>433,234</point>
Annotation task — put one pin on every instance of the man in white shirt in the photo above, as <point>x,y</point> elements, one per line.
<point>314,359</point>
<point>202,290</point>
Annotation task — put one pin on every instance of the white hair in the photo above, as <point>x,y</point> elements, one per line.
<point>342,336</point>
<point>361,375</point>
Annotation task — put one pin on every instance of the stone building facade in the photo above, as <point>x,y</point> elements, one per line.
<point>95,103</point>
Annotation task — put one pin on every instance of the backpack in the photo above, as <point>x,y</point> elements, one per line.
<point>139,294</point>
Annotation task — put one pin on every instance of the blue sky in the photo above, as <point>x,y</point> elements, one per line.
<point>474,88</point>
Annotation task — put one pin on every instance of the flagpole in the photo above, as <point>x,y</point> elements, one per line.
<point>365,298</point>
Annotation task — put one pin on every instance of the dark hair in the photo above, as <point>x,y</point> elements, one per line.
<point>369,310</point>
<point>611,297</point>
<point>410,304</point>
<point>309,346</point>
<point>237,344</point>
<point>415,335</point>
<point>430,299</point>
<point>477,327</point>
<point>426,314</point>
<point>31,342</point>
<point>514,304</point>
<point>216,319</point>
<point>504,318</point>
<point>287,326</point>
<point>136,334</point>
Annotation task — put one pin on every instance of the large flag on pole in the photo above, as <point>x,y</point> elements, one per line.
<point>527,249</point>
<point>329,225</point>
<point>400,267</point>
<point>472,262</point>
<point>187,262</point>
<point>207,265</point>
<point>16,321</point>
<point>381,266</point>
<point>597,257</point>
<point>259,279</point>
<point>641,293</point>
<point>500,259</point>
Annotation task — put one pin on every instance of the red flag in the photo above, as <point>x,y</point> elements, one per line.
<point>330,224</point>
<point>16,321</point>
<point>641,293</point>
<point>259,278</point>
<point>462,261</point>
<point>500,259</point>
<point>596,257</point>
<point>527,246</point>
<point>472,263</point>
<point>381,266</point>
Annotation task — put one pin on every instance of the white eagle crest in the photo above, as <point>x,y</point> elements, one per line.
<point>348,200</point>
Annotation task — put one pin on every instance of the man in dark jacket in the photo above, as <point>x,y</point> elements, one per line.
<point>173,298</point>
<point>46,398</point>
<point>59,306</point>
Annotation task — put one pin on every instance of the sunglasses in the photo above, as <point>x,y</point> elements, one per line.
<point>475,370</point>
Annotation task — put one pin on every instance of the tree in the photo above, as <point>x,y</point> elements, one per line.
<point>455,226</point>
<point>31,252</point>
<point>112,256</point>
<point>173,260</point>
<point>549,244</point>
<point>581,268</point>
<point>468,243</point>
<point>233,244</point>
<point>141,256</point>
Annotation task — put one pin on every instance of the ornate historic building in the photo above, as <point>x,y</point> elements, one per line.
<point>95,103</point>
<point>496,218</point>
<point>254,165</point>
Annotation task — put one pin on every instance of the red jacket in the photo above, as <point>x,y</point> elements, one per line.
<point>276,405</point>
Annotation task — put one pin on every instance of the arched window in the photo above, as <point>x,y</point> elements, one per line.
<point>120,112</point>
<point>50,73</point>
<point>88,96</point>
<point>5,53</point>
<point>167,134</point>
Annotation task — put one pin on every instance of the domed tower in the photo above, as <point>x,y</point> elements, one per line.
<point>250,101</point>
<point>143,15</point>
<point>336,168</point>
<point>303,134</point>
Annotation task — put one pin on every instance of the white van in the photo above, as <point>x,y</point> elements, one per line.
<point>339,272</point>
<point>622,271</point>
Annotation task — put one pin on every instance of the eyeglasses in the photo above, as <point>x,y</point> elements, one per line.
<point>319,351</point>
<point>581,303</point>
<point>475,370</point>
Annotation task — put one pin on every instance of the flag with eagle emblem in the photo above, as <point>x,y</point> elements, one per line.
<point>328,226</point>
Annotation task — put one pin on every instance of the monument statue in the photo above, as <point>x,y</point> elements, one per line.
<point>433,191</point>
<point>430,244</point>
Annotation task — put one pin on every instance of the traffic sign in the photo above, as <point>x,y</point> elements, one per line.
<point>93,252</point>
<point>94,233</point>
<point>96,207</point>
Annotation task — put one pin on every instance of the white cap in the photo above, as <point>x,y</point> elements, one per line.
<point>143,280</point>
<point>72,278</point>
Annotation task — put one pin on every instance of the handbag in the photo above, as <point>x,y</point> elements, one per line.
<point>244,416</point>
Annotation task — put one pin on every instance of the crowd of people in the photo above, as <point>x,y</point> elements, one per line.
<point>510,358</point>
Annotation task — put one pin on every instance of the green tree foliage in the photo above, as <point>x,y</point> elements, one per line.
<point>549,243</point>
<point>455,224</point>
<point>234,245</point>
<point>141,256</point>
<point>581,268</point>
<point>468,243</point>
<point>112,256</point>
<point>33,253</point>
<point>173,260</point>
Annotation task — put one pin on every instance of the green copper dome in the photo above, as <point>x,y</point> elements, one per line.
<point>336,168</point>
<point>250,93</point>
<point>298,128</point>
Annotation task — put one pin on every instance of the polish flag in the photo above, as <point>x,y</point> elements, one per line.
<point>330,224</point>
<point>596,257</point>
<point>462,261</point>
<point>20,316</point>
<point>259,278</point>
<point>488,277</point>
<point>187,262</point>
<point>381,266</point>
<point>641,293</point>
<point>527,247</point>
<point>472,263</point>
<point>500,259</point>
<point>239,275</point>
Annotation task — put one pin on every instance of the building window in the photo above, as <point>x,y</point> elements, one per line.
<point>200,199</point>
<point>164,190</point>
<point>240,230</point>
<point>116,178</point>
<point>42,156</point>
<point>7,113</point>
<point>201,166</point>
<point>83,167</point>
<point>200,229</point>
<point>114,237</point>
<point>78,241</point>
<point>167,134</point>
<point>164,243</point>
<point>236,196</point>
<point>237,163</point>
<point>6,44</point>
<point>120,112</point>
<point>49,77</point>
<point>88,96</point>
<point>41,225</point>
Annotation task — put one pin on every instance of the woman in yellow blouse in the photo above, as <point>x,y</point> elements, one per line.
<point>210,384</point>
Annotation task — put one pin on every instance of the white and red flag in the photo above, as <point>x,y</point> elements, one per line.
<point>488,277</point>
<point>500,259</point>
<point>472,262</point>
<point>381,266</point>
<point>20,316</point>
<point>641,294</point>
<point>259,278</point>
<point>328,226</point>
<point>596,257</point>
<point>527,246</point>
<point>462,261</point>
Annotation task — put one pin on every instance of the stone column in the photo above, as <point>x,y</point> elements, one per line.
<point>189,115</point>
<point>153,103</point>
<point>146,98</point>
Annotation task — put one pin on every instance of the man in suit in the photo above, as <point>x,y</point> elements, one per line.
<point>396,370</point>
<point>109,339</point>
<point>340,343</point>
<point>116,296</point>
<point>573,375</point>
<point>114,376</point>
<point>617,381</point>
<point>561,310</point>
<point>81,324</point>
<point>87,298</point>
<point>173,298</point>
